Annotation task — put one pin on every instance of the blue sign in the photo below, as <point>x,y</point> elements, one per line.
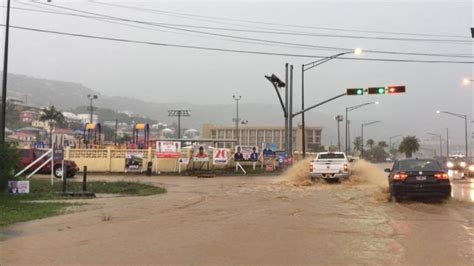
<point>38,145</point>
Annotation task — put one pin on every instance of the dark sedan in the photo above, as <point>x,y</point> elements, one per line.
<point>418,178</point>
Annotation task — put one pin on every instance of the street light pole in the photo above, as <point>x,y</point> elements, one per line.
<point>447,142</point>
<point>5,76</point>
<point>349,109</point>
<point>390,141</point>
<point>91,98</point>
<point>237,120</point>
<point>465,127</point>
<point>338,118</point>
<point>440,142</point>
<point>362,135</point>
<point>306,67</point>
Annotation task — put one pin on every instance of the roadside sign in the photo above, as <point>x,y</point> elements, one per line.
<point>220,156</point>
<point>58,154</point>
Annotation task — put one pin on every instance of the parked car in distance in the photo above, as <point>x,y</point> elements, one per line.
<point>28,156</point>
<point>330,166</point>
<point>416,178</point>
<point>469,170</point>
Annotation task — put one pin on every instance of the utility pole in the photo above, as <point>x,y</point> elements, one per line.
<point>5,76</point>
<point>447,142</point>
<point>237,119</point>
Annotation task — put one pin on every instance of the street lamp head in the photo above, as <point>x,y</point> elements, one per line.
<point>466,81</point>
<point>438,111</point>
<point>377,102</point>
<point>357,51</point>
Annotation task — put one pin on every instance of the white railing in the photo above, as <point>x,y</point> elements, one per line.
<point>33,163</point>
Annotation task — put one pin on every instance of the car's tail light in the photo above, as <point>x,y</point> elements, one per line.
<point>441,176</point>
<point>311,167</point>
<point>400,176</point>
<point>346,167</point>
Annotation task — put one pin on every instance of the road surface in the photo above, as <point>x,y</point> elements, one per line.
<point>251,220</point>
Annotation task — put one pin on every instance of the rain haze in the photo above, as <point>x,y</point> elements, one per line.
<point>151,132</point>
<point>182,75</point>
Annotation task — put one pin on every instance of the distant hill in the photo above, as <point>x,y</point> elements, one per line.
<point>69,96</point>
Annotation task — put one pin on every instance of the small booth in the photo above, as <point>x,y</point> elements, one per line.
<point>92,135</point>
<point>140,135</point>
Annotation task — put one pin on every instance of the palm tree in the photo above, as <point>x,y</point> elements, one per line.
<point>382,144</point>
<point>52,116</point>
<point>358,144</point>
<point>409,145</point>
<point>370,143</point>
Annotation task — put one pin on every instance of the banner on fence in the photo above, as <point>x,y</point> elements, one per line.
<point>220,157</point>
<point>168,149</point>
<point>246,153</point>
<point>268,150</point>
<point>133,161</point>
<point>201,153</point>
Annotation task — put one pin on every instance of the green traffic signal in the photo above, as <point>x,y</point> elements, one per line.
<point>376,90</point>
<point>356,91</point>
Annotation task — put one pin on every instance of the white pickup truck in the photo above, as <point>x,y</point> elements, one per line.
<point>330,166</point>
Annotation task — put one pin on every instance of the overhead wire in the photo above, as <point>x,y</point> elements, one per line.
<point>149,10</point>
<point>229,50</point>
<point>251,39</point>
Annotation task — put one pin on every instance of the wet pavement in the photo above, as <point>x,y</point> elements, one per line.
<point>252,220</point>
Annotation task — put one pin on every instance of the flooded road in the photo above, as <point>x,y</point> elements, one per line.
<point>252,220</point>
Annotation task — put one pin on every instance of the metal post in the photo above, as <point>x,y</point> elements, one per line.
<point>84,179</point>
<point>5,76</point>
<point>179,125</point>
<point>349,135</point>
<point>346,133</point>
<point>91,111</point>
<point>440,146</point>
<point>447,142</point>
<point>237,124</point>
<point>467,149</point>
<point>64,175</point>
<point>362,141</point>
<point>338,135</point>
<point>286,108</point>
<point>290,114</point>
<point>303,132</point>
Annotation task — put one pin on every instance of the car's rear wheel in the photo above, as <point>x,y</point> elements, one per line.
<point>393,197</point>
<point>58,171</point>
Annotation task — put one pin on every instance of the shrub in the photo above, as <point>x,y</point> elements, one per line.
<point>9,161</point>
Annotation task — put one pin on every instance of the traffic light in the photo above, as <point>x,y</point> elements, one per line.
<point>376,90</point>
<point>396,89</point>
<point>356,91</point>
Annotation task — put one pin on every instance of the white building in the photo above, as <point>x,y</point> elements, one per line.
<point>85,118</point>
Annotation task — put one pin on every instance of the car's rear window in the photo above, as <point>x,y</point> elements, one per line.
<point>331,156</point>
<point>419,165</point>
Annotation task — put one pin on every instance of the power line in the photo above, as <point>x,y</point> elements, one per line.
<point>149,10</point>
<point>250,39</point>
<point>230,50</point>
<point>107,20</point>
<point>280,32</point>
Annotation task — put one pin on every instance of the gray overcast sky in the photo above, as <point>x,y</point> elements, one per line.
<point>166,74</point>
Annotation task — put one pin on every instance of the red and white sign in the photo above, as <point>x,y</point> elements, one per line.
<point>220,156</point>
<point>168,149</point>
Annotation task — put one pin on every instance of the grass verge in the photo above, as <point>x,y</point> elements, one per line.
<point>16,208</point>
